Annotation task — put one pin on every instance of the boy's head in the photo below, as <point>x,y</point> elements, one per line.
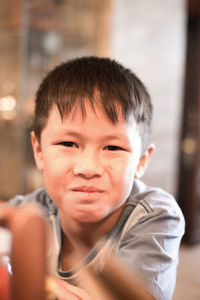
<point>102,81</point>
<point>92,121</point>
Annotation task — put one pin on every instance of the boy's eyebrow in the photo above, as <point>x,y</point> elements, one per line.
<point>114,137</point>
<point>65,133</point>
<point>105,137</point>
<point>73,133</point>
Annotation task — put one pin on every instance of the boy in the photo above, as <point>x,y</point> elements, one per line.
<point>91,140</point>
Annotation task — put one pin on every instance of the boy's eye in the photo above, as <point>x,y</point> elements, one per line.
<point>68,144</point>
<point>113,148</point>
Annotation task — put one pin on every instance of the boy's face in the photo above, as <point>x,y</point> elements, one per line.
<point>89,164</point>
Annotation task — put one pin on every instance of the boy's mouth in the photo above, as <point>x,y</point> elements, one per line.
<point>86,189</point>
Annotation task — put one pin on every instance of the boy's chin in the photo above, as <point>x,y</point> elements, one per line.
<point>90,217</point>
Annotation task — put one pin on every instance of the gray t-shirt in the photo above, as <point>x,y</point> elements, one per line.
<point>147,237</point>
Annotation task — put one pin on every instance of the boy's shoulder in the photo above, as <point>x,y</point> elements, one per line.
<point>152,198</point>
<point>153,210</point>
<point>151,206</point>
<point>38,196</point>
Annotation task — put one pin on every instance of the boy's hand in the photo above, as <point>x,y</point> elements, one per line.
<point>28,230</point>
<point>64,291</point>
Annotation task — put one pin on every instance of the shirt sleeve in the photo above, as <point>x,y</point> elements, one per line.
<point>150,247</point>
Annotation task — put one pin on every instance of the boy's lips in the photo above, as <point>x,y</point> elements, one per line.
<point>87,189</point>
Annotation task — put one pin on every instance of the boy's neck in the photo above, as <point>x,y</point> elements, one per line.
<point>84,236</point>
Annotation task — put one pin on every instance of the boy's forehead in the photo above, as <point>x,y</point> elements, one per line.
<point>95,116</point>
<point>83,111</point>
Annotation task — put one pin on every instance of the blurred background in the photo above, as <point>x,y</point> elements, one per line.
<point>158,40</point>
<point>35,36</point>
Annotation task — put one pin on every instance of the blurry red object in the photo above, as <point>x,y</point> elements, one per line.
<point>4,282</point>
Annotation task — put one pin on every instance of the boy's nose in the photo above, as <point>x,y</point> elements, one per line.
<point>88,166</point>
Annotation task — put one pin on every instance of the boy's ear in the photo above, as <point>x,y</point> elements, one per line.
<point>37,151</point>
<point>144,160</point>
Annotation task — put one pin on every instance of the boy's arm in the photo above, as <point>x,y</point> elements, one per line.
<point>64,291</point>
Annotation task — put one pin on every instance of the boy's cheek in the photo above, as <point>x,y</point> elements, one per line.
<point>119,163</point>
<point>127,166</point>
<point>56,163</point>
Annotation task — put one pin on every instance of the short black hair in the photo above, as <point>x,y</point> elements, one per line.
<point>71,83</point>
